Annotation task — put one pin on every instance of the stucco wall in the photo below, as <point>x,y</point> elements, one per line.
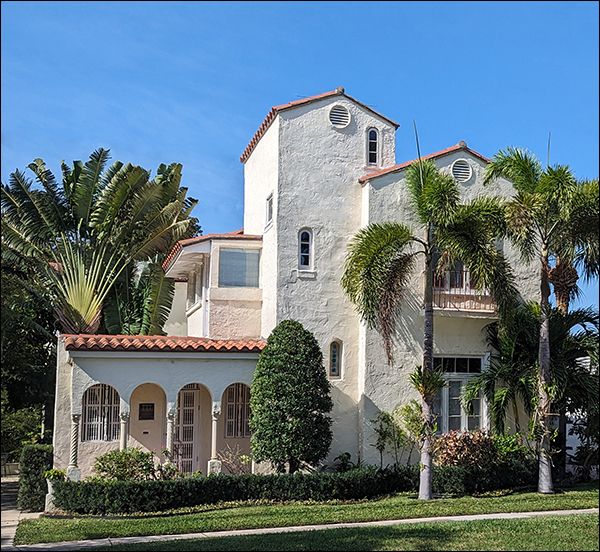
<point>261,179</point>
<point>319,167</point>
<point>455,333</point>
<point>143,377</point>
<point>235,313</point>
<point>148,434</point>
<point>176,323</point>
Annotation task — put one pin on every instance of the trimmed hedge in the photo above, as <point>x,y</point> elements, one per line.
<point>125,497</point>
<point>34,462</point>
<point>113,497</point>
<point>469,480</point>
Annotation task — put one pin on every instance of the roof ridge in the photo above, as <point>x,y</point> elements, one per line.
<point>276,109</point>
<point>461,145</point>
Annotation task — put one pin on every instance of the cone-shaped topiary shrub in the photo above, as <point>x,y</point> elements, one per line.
<point>290,399</point>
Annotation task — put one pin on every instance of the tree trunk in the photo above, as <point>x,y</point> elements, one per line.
<point>545,484</point>
<point>425,481</point>
<point>563,278</point>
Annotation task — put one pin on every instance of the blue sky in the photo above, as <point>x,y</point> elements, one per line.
<point>191,82</point>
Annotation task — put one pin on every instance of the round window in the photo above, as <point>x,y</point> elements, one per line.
<point>339,116</point>
<point>461,170</point>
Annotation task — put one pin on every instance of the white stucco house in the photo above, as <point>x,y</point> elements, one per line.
<point>315,172</point>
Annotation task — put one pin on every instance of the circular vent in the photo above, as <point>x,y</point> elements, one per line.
<point>461,170</point>
<point>339,116</point>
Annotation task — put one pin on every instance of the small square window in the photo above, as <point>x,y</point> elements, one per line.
<point>146,411</point>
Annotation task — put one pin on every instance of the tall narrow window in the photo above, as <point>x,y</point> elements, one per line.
<point>238,411</point>
<point>372,147</point>
<point>305,249</point>
<point>100,420</point>
<point>269,211</point>
<point>335,359</point>
<point>448,408</point>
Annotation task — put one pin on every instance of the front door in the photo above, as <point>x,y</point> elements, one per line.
<point>186,442</point>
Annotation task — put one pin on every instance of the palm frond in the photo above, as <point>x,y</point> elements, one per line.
<point>158,302</point>
<point>86,187</point>
<point>518,165</point>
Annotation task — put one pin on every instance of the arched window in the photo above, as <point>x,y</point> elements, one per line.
<point>100,419</point>
<point>372,146</point>
<point>305,249</point>
<point>238,411</point>
<point>335,360</point>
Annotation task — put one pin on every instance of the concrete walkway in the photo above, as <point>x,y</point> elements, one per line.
<point>10,514</point>
<point>11,517</point>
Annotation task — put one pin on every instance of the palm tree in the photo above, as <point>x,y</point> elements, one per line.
<point>512,373</point>
<point>84,234</point>
<point>552,219</point>
<point>139,303</point>
<point>382,257</point>
<point>510,376</point>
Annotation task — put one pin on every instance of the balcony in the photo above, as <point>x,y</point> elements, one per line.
<point>452,292</point>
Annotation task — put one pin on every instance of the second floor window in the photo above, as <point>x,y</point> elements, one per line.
<point>372,147</point>
<point>335,358</point>
<point>269,210</point>
<point>305,250</point>
<point>239,267</point>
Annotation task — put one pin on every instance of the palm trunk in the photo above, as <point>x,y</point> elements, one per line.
<point>563,278</point>
<point>425,481</point>
<point>545,484</point>
<point>515,407</point>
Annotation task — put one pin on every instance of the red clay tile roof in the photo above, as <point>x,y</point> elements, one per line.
<point>238,234</point>
<point>85,342</point>
<point>278,108</point>
<point>460,146</point>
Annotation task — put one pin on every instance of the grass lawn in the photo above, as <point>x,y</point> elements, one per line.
<point>250,516</point>
<point>576,532</point>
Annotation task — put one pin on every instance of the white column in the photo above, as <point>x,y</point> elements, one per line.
<point>214,465</point>
<point>123,433</point>
<point>74,439</point>
<point>170,429</point>
<point>73,471</point>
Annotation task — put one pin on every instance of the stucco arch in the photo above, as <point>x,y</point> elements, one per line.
<point>82,381</point>
<point>148,432</point>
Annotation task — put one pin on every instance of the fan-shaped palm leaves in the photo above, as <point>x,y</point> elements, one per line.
<point>551,217</point>
<point>382,257</point>
<point>84,234</point>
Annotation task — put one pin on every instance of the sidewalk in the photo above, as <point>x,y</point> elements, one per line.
<point>10,514</point>
<point>11,517</point>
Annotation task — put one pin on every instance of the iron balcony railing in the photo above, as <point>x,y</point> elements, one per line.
<point>453,290</point>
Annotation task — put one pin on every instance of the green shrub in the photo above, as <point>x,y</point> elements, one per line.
<point>35,461</point>
<point>470,480</point>
<point>289,401</point>
<point>510,448</point>
<point>95,497</point>
<point>19,427</point>
<point>467,448</point>
<point>133,464</point>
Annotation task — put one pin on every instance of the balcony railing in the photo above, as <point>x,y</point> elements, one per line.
<point>453,291</point>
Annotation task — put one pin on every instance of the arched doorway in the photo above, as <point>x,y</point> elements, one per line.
<point>191,432</point>
<point>147,420</point>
